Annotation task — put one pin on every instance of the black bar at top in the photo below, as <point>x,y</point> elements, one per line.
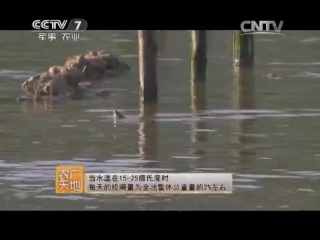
<point>115,23</point>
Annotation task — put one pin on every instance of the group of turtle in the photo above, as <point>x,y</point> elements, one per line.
<point>66,80</point>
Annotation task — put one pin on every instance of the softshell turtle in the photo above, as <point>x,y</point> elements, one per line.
<point>97,64</point>
<point>64,80</point>
<point>118,115</point>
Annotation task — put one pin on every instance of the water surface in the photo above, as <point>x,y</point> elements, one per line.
<point>265,131</point>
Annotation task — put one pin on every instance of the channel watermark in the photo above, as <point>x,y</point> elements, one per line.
<point>76,25</point>
<point>261,27</point>
<point>68,30</point>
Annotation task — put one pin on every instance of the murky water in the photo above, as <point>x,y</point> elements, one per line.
<point>265,131</point>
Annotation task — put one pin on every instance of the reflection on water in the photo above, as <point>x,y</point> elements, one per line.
<point>148,131</point>
<point>198,106</point>
<point>244,99</point>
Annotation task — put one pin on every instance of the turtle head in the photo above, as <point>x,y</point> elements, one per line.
<point>118,115</point>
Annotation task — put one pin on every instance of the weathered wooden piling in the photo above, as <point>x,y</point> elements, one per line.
<point>243,49</point>
<point>198,105</point>
<point>148,131</point>
<point>148,55</point>
<point>244,99</point>
<point>198,55</point>
<point>162,42</point>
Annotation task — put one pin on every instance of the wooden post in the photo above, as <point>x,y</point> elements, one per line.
<point>243,49</point>
<point>198,55</point>
<point>148,132</point>
<point>148,54</point>
<point>162,42</point>
<point>244,129</point>
<point>198,104</point>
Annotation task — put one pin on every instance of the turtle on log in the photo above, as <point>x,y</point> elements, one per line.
<point>64,80</point>
<point>97,65</point>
